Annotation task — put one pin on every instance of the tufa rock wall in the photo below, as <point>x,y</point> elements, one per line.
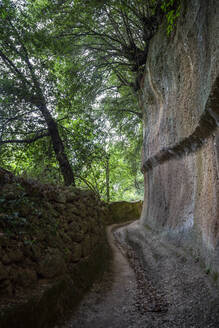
<point>180,160</point>
<point>52,247</point>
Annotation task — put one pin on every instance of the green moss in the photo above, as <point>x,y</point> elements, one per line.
<point>123,211</point>
<point>30,217</point>
<point>147,227</point>
<point>207,270</point>
<point>171,8</point>
<point>215,276</point>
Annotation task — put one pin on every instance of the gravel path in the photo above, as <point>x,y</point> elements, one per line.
<point>141,295</point>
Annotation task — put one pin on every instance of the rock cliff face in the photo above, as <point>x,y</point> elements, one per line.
<point>180,161</point>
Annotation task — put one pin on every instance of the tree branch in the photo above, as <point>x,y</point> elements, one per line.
<point>25,141</point>
<point>131,111</point>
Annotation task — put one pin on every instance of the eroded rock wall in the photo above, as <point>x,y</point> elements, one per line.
<point>180,161</point>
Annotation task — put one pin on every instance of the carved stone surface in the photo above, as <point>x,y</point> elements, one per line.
<point>180,161</point>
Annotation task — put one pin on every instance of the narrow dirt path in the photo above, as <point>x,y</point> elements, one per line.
<point>110,303</point>
<point>131,297</point>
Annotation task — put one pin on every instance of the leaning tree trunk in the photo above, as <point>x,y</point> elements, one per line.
<point>107,179</point>
<point>58,147</point>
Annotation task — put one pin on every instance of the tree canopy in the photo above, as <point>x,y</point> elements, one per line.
<point>70,75</point>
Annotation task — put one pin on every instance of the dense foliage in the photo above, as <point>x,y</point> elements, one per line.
<point>70,75</point>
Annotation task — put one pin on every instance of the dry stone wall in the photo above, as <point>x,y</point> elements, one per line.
<point>180,160</point>
<point>52,247</point>
<point>122,211</point>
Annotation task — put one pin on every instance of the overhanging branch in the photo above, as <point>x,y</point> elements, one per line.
<point>24,141</point>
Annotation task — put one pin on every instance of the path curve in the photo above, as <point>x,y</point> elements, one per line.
<point>168,291</point>
<point>110,303</point>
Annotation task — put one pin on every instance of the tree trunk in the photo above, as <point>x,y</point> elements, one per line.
<point>107,179</point>
<point>58,147</point>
